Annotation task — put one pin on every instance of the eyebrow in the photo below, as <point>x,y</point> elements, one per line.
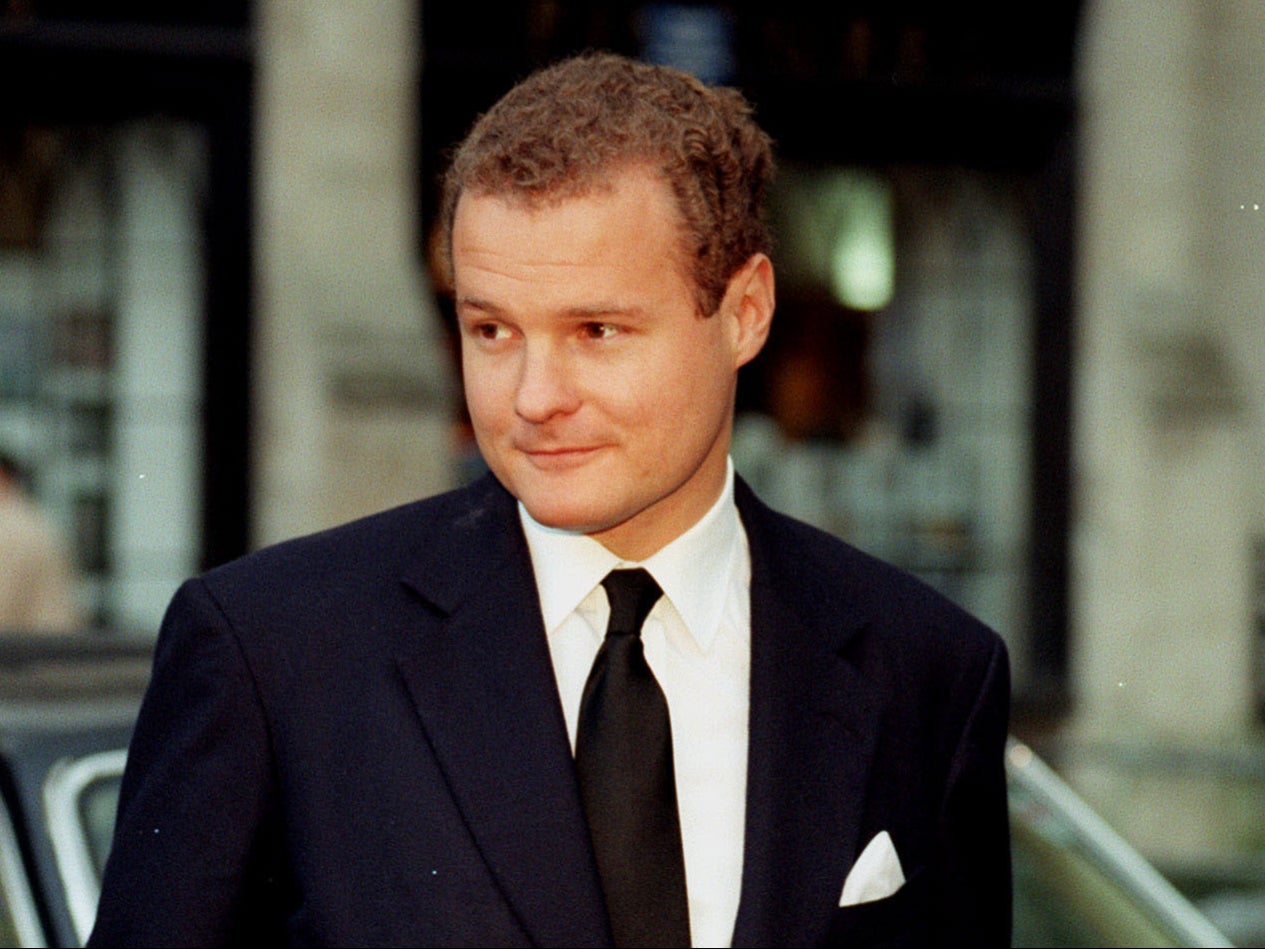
<point>591,312</point>
<point>603,310</point>
<point>475,303</point>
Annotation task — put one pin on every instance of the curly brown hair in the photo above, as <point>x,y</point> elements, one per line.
<point>566,129</point>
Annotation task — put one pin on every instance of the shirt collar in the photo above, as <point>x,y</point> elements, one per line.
<point>692,570</point>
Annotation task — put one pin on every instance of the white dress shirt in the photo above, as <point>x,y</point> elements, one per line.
<point>698,643</point>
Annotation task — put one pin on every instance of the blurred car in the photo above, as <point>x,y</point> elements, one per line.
<point>1077,882</point>
<point>66,711</point>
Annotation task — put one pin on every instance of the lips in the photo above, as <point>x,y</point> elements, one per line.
<point>556,458</point>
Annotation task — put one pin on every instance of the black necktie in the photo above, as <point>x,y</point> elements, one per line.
<point>623,754</point>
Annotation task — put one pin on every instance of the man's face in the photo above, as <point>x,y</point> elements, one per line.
<point>600,397</point>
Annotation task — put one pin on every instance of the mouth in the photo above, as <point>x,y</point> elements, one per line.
<point>559,457</point>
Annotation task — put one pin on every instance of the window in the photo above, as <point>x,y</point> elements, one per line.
<point>101,308</point>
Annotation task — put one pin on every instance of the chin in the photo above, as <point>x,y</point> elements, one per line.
<point>560,503</point>
<point>561,519</point>
<point>564,517</point>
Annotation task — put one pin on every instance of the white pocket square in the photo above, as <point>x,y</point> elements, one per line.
<point>876,873</point>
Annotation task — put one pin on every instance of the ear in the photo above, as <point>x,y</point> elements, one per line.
<point>748,307</point>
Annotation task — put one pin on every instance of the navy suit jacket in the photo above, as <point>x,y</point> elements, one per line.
<point>355,738</point>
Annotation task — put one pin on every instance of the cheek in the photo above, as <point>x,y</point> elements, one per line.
<point>481,395</point>
<point>683,398</point>
<point>703,376</point>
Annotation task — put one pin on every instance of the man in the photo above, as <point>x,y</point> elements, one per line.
<point>399,731</point>
<point>36,574</point>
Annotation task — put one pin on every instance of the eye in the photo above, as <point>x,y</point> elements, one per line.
<point>490,331</point>
<point>595,330</point>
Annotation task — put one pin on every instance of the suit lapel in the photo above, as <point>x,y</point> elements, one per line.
<point>812,729</point>
<point>484,688</point>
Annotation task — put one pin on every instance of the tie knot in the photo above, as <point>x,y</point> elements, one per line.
<point>632,595</point>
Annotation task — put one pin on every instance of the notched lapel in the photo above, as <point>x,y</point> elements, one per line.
<point>483,684</point>
<point>814,720</point>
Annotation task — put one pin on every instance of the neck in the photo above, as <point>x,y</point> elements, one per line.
<point>649,531</point>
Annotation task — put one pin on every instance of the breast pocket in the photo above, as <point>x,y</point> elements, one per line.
<point>902,919</point>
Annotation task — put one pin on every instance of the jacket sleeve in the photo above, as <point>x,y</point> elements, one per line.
<point>195,855</point>
<point>975,899</point>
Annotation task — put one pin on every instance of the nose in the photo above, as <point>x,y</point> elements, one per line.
<point>546,387</point>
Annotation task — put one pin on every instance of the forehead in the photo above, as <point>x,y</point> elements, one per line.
<point>629,226</point>
<point>634,176</point>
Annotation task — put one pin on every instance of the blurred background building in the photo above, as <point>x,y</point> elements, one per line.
<point>1018,348</point>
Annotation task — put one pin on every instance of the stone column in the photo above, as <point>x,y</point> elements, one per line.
<point>352,382</point>
<point>1164,493</point>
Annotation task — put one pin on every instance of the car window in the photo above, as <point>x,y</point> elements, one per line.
<point>1062,897</point>
<point>98,804</point>
<point>19,921</point>
<point>80,796</point>
<point>1077,882</point>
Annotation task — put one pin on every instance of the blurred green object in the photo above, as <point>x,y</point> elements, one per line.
<point>1077,882</point>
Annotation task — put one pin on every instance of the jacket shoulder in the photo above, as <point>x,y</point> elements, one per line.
<point>825,576</point>
<point>364,559</point>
